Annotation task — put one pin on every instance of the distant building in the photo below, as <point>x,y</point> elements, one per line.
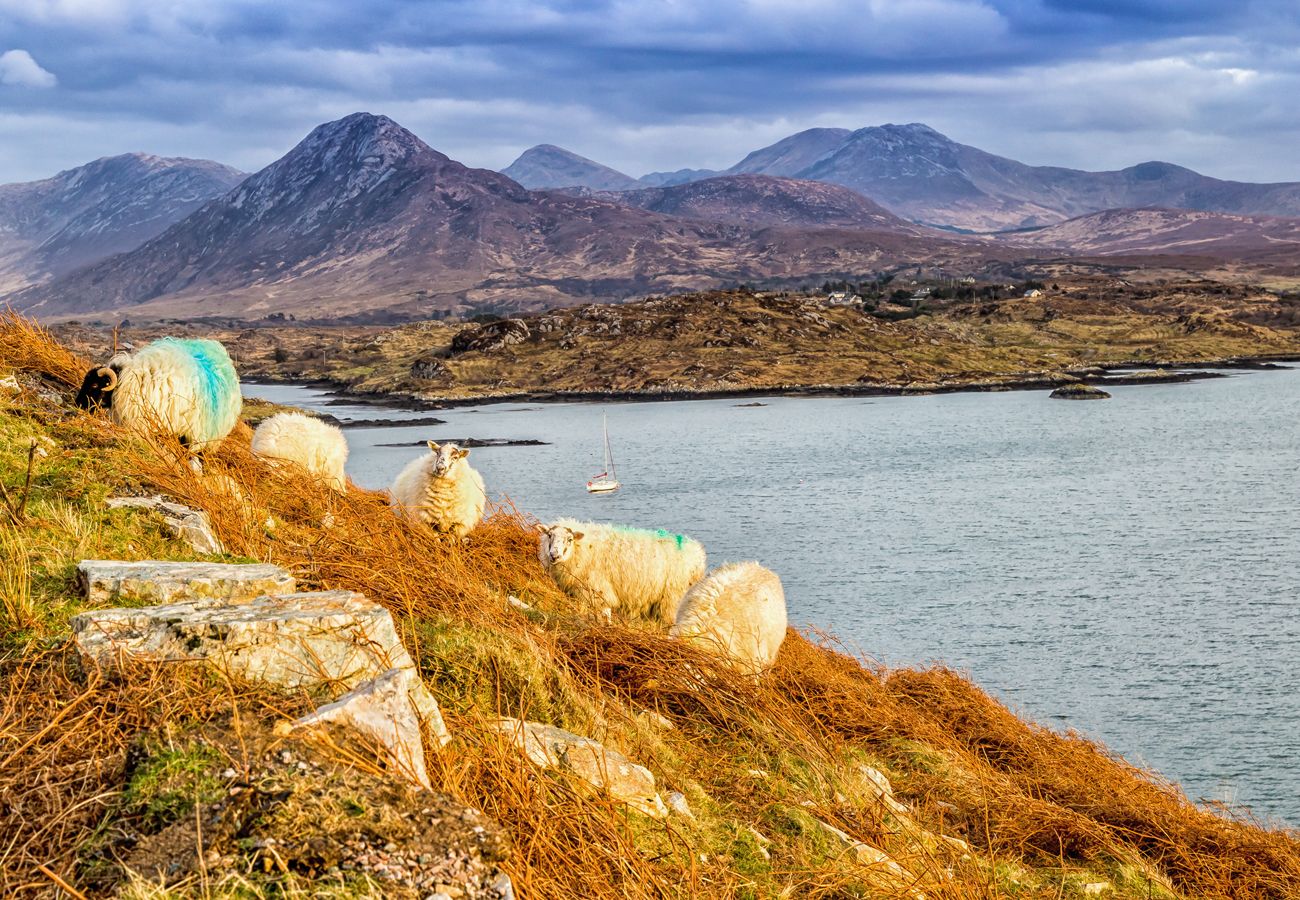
<point>842,298</point>
<point>969,279</point>
<point>1034,293</point>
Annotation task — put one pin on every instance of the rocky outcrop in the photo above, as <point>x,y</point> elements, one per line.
<point>330,639</point>
<point>191,525</point>
<point>154,581</point>
<point>429,368</point>
<point>491,336</point>
<point>1079,392</point>
<point>549,747</point>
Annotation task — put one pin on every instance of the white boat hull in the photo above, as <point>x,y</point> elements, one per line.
<point>602,487</point>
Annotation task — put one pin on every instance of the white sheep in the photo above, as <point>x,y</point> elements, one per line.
<point>737,611</point>
<point>318,447</point>
<point>184,387</point>
<point>442,490</point>
<point>640,573</point>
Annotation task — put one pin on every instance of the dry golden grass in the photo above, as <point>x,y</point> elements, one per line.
<point>1023,796</point>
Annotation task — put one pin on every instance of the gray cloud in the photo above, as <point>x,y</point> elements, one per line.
<point>642,84</point>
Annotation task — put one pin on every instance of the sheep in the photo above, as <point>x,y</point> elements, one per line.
<point>442,490</point>
<point>184,387</point>
<point>738,611</point>
<point>318,447</point>
<point>641,574</point>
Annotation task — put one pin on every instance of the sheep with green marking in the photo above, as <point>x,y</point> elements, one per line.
<point>641,574</point>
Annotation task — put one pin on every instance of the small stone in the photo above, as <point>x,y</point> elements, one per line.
<point>1096,888</point>
<point>517,603</point>
<point>228,774</point>
<point>676,801</point>
<point>191,525</point>
<point>554,748</point>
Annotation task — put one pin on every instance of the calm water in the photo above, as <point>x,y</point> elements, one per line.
<point>1126,567</point>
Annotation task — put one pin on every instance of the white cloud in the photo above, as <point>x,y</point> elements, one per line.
<point>18,68</point>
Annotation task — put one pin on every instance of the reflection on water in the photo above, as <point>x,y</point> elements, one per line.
<point>1126,567</point>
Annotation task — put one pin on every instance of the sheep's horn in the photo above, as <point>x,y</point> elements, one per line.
<point>108,373</point>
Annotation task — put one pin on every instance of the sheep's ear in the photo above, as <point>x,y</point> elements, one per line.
<point>577,535</point>
<point>461,453</point>
<point>432,446</point>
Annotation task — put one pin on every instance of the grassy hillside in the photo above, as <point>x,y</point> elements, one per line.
<point>96,771</point>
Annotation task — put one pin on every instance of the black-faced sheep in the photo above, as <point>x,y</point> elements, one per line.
<point>639,573</point>
<point>442,490</point>
<point>184,387</point>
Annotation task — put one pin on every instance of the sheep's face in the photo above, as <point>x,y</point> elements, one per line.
<point>97,388</point>
<point>556,544</point>
<point>444,457</point>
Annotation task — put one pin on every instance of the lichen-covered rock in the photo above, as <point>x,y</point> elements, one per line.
<point>191,525</point>
<point>549,747</point>
<point>157,581</point>
<point>328,639</point>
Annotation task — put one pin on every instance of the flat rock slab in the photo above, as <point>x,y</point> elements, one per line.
<point>156,581</point>
<point>190,525</point>
<point>333,639</point>
<point>549,747</point>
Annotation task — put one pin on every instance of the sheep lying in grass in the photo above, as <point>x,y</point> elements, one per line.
<point>641,574</point>
<point>178,386</point>
<point>318,447</point>
<point>442,490</point>
<point>738,611</point>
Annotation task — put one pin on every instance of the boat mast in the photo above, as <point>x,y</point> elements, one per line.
<point>609,454</point>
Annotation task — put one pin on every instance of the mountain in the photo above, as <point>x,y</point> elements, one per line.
<point>108,206</point>
<point>793,155</point>
<point>681,176</point>
<point>1261,240</point>
<point>764,201</point>
<point>927,177</point>
<point>364,219</point>
<point>548,166</point>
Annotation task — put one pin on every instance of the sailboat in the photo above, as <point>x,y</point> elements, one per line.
<point>607,481</point>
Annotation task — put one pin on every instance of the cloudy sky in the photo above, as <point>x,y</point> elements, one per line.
<point>655,84</point>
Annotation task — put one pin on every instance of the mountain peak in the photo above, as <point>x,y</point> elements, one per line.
<point>548,166</point>
<point>363,138</point>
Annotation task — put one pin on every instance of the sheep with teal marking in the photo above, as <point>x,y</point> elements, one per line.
<point>639,573</point>
<point>183,387</point>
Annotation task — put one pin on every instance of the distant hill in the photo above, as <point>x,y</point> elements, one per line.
<point>764,201</point>
<point>1260,240</point>
<point>364,219</point>
<point>548,166</point>
<point>81,215</point>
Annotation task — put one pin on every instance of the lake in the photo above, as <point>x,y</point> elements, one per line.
<point>1125,567</point>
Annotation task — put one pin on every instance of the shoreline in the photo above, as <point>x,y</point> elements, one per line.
<point>341,393</point>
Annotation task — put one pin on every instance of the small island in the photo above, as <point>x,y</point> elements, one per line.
<point>1079,392</point>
